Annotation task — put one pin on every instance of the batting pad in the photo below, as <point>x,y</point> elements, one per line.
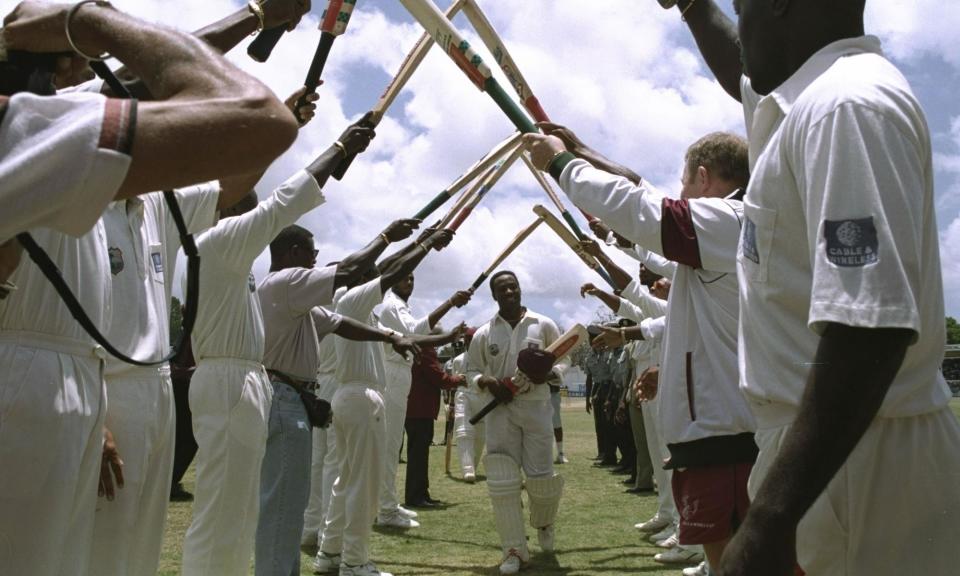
<point>544,494</point>
<point>504,484</point>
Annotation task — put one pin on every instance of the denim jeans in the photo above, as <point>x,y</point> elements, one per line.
<point>284,485</point>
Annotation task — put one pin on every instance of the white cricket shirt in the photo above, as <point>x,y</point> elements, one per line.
<point>840,227</point>
<point>698,374</point>
<point>495,346</point>
<point>229,321</point>
<point>62,160</point>
<point>361,362</point>
<point>142,244</point>
<point>395,315</point>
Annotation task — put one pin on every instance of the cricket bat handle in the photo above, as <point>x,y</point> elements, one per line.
<point>262,46</point>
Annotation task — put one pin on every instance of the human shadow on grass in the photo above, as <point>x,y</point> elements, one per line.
<point>460,480</point>
<point>543,563</point>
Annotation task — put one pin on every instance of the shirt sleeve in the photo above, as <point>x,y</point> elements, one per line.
<point>325,322</point>
<point>640,296</point>
<point>237,241</point>
<point>701,233</point>
<point>62,160</point>
<point>198,204</point>
<point>360,301</point>
<point>307,288</point>
<point>653,328</point>
<point>656,263</point>
<point>861,178</point>
<point>396,316</point>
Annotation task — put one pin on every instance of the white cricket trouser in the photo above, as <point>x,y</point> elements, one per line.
<point>894,506</point>
<point>398,378</point>
<point>230,402</point>
<point>128,532</point>
<point>523,430</point>
<point>470,438</point>
<point>52,408</point>
<point>319,485</point>
<point>361,447</point>
<point>658,454</point>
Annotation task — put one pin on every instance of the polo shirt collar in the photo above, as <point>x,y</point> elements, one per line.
<point>787,93</point>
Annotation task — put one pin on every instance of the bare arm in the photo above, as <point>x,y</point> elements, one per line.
<point>619,276</point>
<point>402,267</point>
<point>459,299</point>
<point>581,150</point>
<point>351,268</point>
<point>716,37</point>
<point>612,302</point>
<point>212,120</point>
<point>851,374</point>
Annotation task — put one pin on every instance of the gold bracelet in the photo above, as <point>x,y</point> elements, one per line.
<point>385,238</point>
<point>343,149</point>
<point>69,19</point>
<point>683,13</point>
<point>257,10</point>
<point>552,158</point>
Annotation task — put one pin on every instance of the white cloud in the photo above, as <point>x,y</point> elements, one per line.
<point>625,77</point>
<point>950,260</point>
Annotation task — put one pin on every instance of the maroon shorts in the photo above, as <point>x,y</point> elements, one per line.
<point>711,501</point>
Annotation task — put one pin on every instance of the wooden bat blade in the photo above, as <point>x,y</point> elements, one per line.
<point>484,185</point>
<point>568,341</point>
<point>517,240</point>
<point>569,239</point>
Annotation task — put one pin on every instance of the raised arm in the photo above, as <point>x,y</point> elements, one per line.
<point>589,289</point>
<point>212,119</point>
<point>579,149</point>
<point>352,268</point>
<point>716,37</point>
<point>402,267</point>
<point>458,300</point>
<point>619,276</point>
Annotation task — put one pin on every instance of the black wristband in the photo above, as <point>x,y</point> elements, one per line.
<point>559,163</point>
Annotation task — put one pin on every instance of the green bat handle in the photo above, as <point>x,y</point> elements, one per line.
<point>509,107</point>
<point>573,225</point>
<point>437,202</point>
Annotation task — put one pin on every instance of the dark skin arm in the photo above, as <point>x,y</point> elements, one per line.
<point>579,149</point>
<point>610,337</point>
<point>612,302</point>
<point>852,372</point>
<point>402,267</point>
<point>351,268</point>
<point>360,332</point>
<point>619,276</point>
<point>459,299</point>
<point>716,37</point>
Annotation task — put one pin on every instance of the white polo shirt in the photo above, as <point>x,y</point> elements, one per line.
<point>637,303</point>
<point>361,362</point>
<point>142,245</point>
<point>62,160</point>
<point>229,320</point>
<point>698,374</point>
<point>840,227</point>
<point>395,315</point>
<point>495,346</point>
<point>287,298</point>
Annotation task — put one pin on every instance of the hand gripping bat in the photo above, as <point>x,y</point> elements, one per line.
<point>570,240</point>
<point>520,382</point>
<point>459,50</point>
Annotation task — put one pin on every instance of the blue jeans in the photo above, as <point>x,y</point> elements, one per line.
<point>284,485</point>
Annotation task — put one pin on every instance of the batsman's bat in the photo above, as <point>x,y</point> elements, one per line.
<point>480,166</point>
<point>560,348</point>
<point>488,181</point>
<point>570,240</point>
<point>459,50</point>
<point>488,34</point>
<point>407,68</point>
<point>448,436</point>
<point>517,240</point>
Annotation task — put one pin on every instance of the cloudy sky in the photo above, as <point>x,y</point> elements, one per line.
<point>625,76</point>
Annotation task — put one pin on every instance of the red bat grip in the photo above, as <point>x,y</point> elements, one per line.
<point>533,106</point>
<point>262,46</point>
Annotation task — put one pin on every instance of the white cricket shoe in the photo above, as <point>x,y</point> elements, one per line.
<point>655,524</point>
<point>679,555</point>
<point>512,563</point>
<point>469,477</point>
<point>324,563</point>
<point>663,534</point>
<point>545,538</point>
<point>561,459</point>
<point>407,512</point>
<point>368,569</point>
<point>671,541</point>
<point>700,570</point>
<point>397,520</point>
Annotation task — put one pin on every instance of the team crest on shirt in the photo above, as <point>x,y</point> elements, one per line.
<point>157,260</point>
<point>851,243</point>
<point>493,349</point>
<point>252,283</point>
<point>116,260</point>
<point>749,243</point>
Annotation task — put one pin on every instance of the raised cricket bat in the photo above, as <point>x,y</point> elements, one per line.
<point>517,241</point>
<point>484,185</point>
<point>570,240</point>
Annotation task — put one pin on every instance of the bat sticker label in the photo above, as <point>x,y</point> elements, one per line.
<point>469,64</point>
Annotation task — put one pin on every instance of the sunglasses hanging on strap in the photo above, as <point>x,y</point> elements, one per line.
<point>50,270</point>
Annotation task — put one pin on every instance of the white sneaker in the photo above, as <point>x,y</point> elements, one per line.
<point>469,477</point>
<point>671,541</point>
<point>545,538</point>
<point>679,555</point>
<point>407,512</point>
<point>663,534</point>
<point>368,569</point>
<point>397,520</point>
<point>561,459</point>
<point>700,570</point>
<point>512,563</point>
<point>324,563</point>
<point>655,524</point>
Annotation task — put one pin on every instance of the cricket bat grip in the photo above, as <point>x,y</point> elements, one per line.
<point>262,46</point>
<point>371,119</point>
<point>483,413</point>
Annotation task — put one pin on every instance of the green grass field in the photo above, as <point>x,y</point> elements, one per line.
<point>595,534</point>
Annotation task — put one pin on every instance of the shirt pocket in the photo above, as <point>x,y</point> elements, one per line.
<point>756,241</point>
